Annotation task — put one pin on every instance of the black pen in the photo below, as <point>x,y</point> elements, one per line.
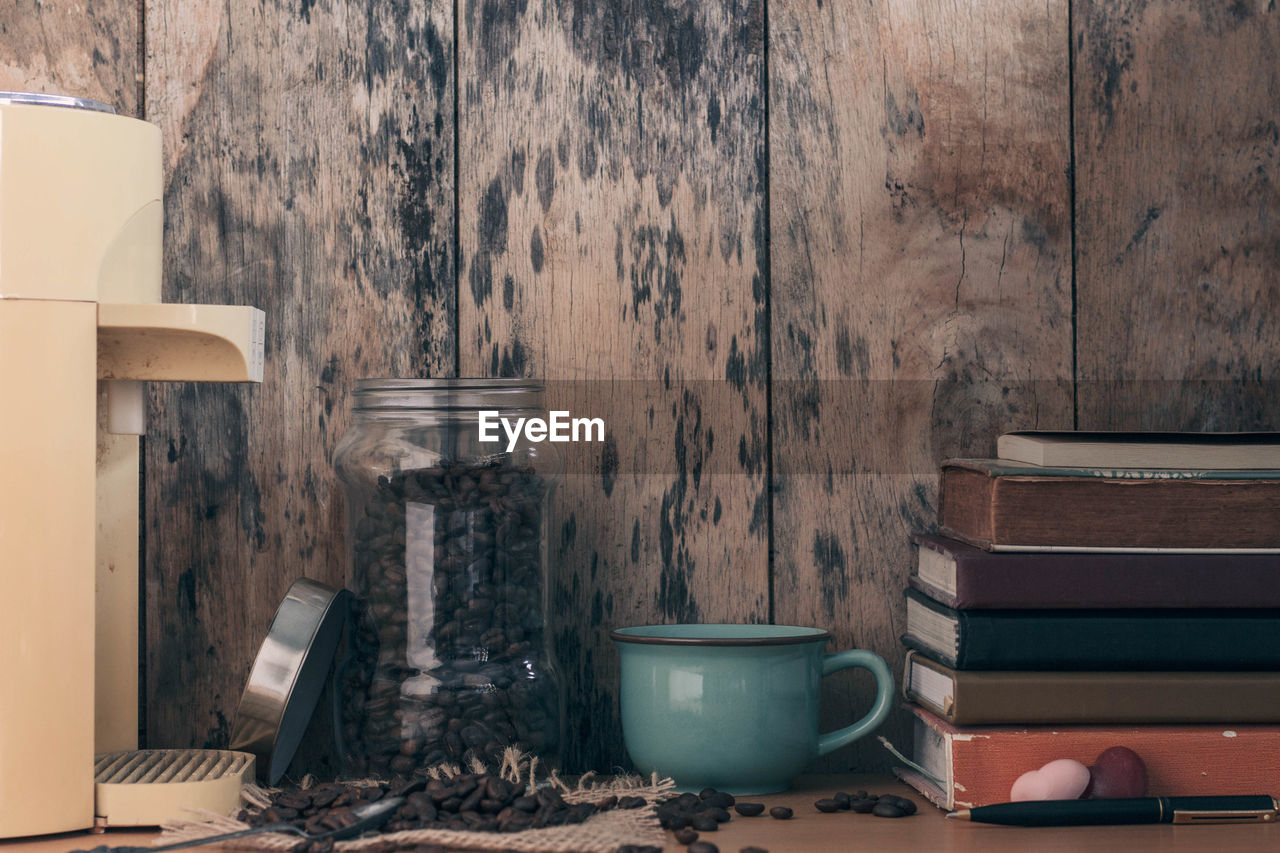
<point>1248,809</point>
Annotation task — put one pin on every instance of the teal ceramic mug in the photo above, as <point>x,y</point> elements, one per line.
<point>734,707</point>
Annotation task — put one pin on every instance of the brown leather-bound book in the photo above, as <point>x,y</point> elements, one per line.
<point>965,577</point>
<point>999,505</point>
<point>966,698</point>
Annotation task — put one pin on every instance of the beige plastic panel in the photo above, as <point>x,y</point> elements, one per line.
<point>70,181</point>
<point>150,787</point>
<point>116,589</point>
<point>199,343</point>
<point>47,388</point>
<point>130,270</point>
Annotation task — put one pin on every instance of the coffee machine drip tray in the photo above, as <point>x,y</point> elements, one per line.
<point>150,786</point>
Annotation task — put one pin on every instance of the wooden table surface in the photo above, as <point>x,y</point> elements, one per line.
<point>811,830</point>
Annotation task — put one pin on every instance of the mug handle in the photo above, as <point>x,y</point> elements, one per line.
<point>884,695</point>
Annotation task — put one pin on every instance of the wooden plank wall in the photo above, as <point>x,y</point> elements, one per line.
<point>63,47</point>
<point>1178,213</point>
<point>921,287</point>
<point>309,154</point>
<point>795,253</point>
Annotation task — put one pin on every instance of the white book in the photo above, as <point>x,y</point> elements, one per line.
<point>1226,451</point>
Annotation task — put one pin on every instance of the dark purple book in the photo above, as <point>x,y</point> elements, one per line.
<point>968,578</point>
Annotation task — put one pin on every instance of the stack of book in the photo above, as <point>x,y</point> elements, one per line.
<point>1097,590</point>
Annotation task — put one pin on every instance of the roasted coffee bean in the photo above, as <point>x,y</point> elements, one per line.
<point>780,813</point>
<point>842,799</point>
<point>703,847</point>
<point>884,808</point>
<point>704,823</point>
<point>607,803</point>
<point>673,820</point>
<point>862,805</point>
<point>461,803</point>
<point>688,801</point>
<point>749,809</point>
<point>707,792</point>
<point>862,795</point>
<point>907,806</point>
<point>686,836</point>
<point>299,801</point>
<point>827,806</point>
<point>719,799</point>
<point>631,803</point>
<point>753,850</point>
<point>323,845</point>
<point>720,815</point>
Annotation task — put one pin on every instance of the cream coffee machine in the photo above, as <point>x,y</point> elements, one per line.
<point>81,327</point>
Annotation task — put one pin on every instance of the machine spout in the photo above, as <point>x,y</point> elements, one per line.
<point>177,343</point>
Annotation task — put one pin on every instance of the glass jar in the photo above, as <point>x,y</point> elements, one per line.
<point>446,557</point>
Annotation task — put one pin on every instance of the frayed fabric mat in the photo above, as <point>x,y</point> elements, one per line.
<point>603,832</point>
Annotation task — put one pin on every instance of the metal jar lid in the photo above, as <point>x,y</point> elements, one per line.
<point>288,675</point>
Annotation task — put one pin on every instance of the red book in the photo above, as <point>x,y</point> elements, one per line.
<point>973,766</point>
<point>964,577</point>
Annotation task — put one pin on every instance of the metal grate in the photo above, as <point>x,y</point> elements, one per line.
<point>159,766</point>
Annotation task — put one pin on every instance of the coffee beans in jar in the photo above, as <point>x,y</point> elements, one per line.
<point>447,658</point>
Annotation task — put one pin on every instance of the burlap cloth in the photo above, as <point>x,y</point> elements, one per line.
<point>603,832</point>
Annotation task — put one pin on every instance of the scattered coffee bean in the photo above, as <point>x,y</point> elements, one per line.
<point>907,806</point>
<point>703,847</point>
<point>461,541</point>
<point>669,820</point>
<point>720,799</point>
<point>842,799</point>
<point>753,850</point>
<point>827,806</point>
<point>688,801</point>
<point>748,809</point>
<point>639,848</point>
<point>720,815</point>
<point>324,845</point>
<point>884,808</point>
<point>862,805</point>
<point>704,823</point>
<point>686,836</point>
<point>780,813</point>
<point>631,803</point>
<point>476,802</point>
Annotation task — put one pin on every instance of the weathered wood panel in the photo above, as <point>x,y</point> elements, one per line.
<point>921,242</point>
<point>612,240</point>
<point>63,48</point>
<point>309,165</point>
<point>1178,225</point>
